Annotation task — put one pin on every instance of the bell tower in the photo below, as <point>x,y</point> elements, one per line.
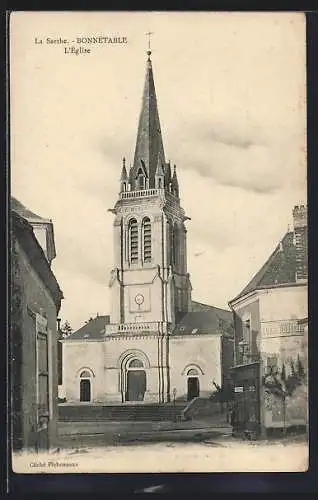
<point>149,281</point>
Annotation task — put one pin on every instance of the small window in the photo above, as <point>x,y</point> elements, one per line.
<point>85,374</point>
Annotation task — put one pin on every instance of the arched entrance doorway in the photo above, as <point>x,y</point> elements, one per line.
<point>193,384</point>
<point>136,381</point>
<point>85,386</point>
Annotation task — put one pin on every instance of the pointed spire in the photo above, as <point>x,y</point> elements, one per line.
<point>174,182</point>
<point>149,146</point>
<point>124,176</point>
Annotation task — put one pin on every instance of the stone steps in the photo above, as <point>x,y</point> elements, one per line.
<point>131,412</point>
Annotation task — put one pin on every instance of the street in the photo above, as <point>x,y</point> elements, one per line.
<point>204,453</point>
<point>201,452</point>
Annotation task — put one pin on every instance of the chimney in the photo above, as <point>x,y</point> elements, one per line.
<point>300,238</point>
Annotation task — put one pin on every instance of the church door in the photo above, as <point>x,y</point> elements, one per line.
<point>136,385</point>
<point>85,390</point>
<point>193,387</point>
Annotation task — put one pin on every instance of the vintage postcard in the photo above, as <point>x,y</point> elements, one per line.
<point>158,240</point>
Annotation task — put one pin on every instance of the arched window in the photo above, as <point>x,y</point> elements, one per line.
<point>146,232</point>
<point>140,179</point>
<point>171,251</point>
<point>175,244</point>
<point>136,363</point>
<point>192,372</point>
<point>133,241</point>
<point>85,374</point>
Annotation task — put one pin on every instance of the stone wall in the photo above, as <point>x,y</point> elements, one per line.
<point>283,303</point>
<point>199,351</point>
<point>166,363</point>
<point>77,357</point>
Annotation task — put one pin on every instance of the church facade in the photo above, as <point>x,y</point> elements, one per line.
<point>157,344</point>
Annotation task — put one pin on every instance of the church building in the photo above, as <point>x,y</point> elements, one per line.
<point>157,344</point>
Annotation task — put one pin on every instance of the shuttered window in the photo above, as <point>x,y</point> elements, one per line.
<point>43,373</point>
<point>146,230</point>
<point>133,241</point>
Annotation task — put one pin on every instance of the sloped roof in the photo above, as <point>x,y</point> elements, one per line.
<point>24,212</point>
<point>205,319</point>
<point>24,232</point>
<point>225,314</point>
<point>93,330</point>
<point>279,269</point>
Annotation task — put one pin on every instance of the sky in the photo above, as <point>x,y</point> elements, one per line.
<point>232,105</point>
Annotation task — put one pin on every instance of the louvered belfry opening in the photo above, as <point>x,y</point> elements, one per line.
<point>133,241</point>
<point>147,239</point>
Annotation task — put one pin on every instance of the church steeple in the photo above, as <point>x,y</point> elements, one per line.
<point>149,230</point>
<point>124,177</point>
<point>149,147</point>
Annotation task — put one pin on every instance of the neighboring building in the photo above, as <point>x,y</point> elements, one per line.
<point>35,302</point>
<point>42,228</point>
<point>270,321</point>
<point>157,341</point>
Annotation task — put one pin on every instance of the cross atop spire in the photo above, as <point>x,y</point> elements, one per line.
<point>149,42</point>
